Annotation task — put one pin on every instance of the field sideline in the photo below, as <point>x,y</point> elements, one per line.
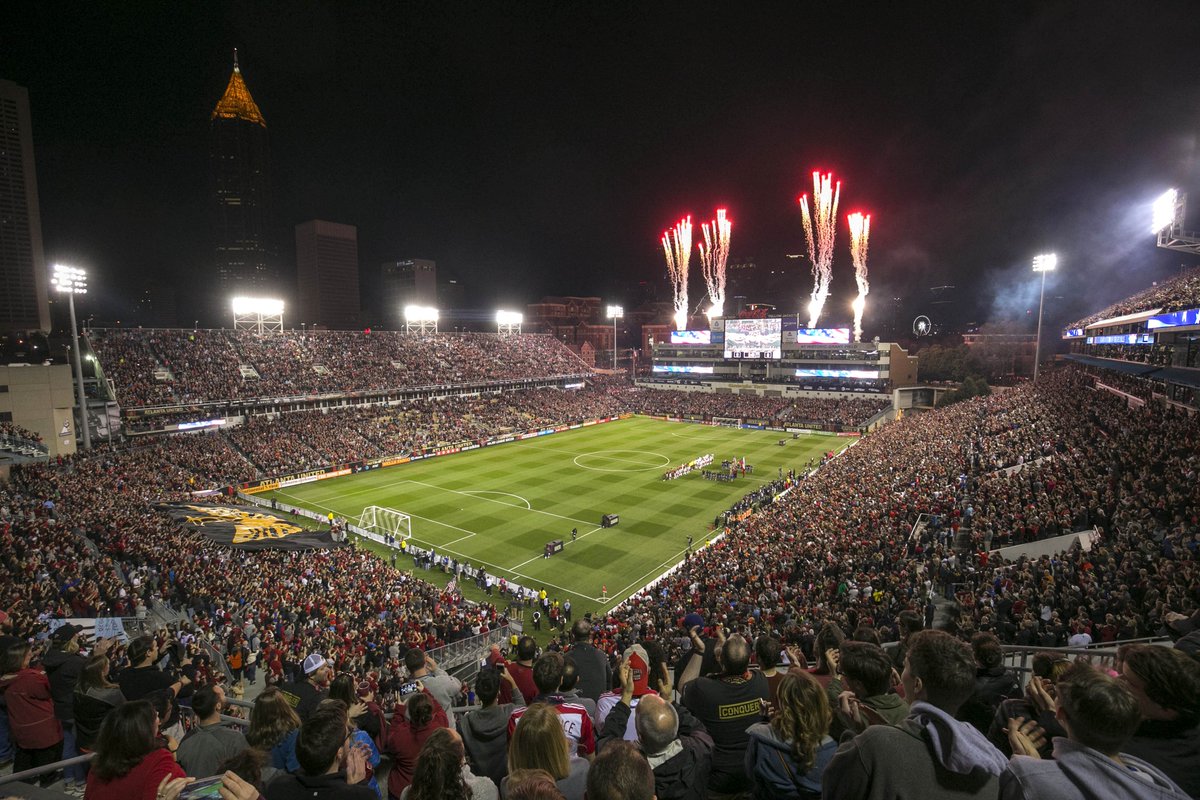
<point>496,507</point>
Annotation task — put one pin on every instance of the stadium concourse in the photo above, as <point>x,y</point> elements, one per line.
<point>824,574</point>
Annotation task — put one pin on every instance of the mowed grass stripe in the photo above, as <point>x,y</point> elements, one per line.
<point>473,505</point>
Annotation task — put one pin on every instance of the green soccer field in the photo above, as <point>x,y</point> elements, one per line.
<point>498,506</point>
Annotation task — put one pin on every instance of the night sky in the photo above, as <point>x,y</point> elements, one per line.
<point>541,148</point>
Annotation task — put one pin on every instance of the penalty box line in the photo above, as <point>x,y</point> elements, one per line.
<point>464,556</point>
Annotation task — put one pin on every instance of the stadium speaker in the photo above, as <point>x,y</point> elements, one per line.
<point>609,520</point>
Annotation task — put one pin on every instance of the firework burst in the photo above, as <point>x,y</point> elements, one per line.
<point>860,235</point>
<point>820,229</point>
<point>677,245</point>
<point>714,253</point>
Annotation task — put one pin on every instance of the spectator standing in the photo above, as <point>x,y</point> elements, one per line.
<point>576,722</point>
<point>306,694</point>
<point>595,672</point>
<point>412,723</point>
<point>622,773</point>
<point>786,757</point>
<point>993,683</point>
<point>522,669</point>
<point>931,756</point>
<point>727,704</point>
<point>321,749</point>
<point>539,743</point>
<point>274,726</point>
<point>209,744</point>
<point>675,743</point>
<point>868,699</point>
<point>95,696</point>
<point>25,693</point>
<point>130,762</point>
<point>444,688</point>
<point>1100,715</point>
<point>484,731</point>
<point>64,665</point>
<point>1166,684</point>
<point>144,680</point>
<point>442,772</point>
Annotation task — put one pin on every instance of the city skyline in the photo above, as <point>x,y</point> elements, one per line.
<point>542,150</point>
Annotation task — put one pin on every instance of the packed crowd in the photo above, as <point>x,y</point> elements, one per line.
<point>814,412</point>
<point>8,429</point>
<point>1174,294</point>
<point>207,365</point>
<point>835,554</point>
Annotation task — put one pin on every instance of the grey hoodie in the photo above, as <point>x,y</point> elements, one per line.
<point>1081,773</point>
<point>485,737</point>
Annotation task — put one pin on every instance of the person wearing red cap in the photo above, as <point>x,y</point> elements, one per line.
<point>640,668</point>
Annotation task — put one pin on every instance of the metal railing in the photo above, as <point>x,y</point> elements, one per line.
<point>460,652</point>
<point>19,444</point>
<point>36,772</point>
<point>1018,657</point>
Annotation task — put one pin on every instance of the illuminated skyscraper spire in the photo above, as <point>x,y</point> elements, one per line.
<point>237,103</point>
<point>240,194</point>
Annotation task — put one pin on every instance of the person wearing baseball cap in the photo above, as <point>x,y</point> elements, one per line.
<point>640,668</point>
<point>306,694</point>
<point>64,664</point>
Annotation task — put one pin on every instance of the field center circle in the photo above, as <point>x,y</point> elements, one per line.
<point>621,461</point>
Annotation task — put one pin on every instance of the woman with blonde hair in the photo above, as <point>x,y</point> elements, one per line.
<point>787,756</point>
<point>539,743</point>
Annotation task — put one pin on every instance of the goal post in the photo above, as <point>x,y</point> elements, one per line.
<point>383,521</point>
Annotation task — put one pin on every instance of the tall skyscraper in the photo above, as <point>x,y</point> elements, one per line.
<point>412,281</point>
<point>327,268</point>
<point>240,194</point>
<point>23,279</point>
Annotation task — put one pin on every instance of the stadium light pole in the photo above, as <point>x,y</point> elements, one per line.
<point>72,281</point>
<point>1043,263</point>
<point>615,313</point>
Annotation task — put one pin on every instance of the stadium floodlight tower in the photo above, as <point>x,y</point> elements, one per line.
<point>509,322</point>
<point>259,314</point>
<point>420,319</point>
<point>1046,262</point>
<point>615,313</point>
<point>1167,223</point>
<point>72,281</point>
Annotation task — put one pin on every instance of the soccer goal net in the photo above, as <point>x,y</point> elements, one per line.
<point>386,522</point>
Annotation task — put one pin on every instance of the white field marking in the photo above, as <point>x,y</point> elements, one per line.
<point>535,558</point>
<point>506,494</point>
<point>460,539</point>
<point>498,502</point>
<point>641,465</point>
<point>472,559</point>
<point>621,595</point>
<point>414,516</point>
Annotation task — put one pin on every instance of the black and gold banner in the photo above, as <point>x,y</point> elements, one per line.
<point>245,527</point>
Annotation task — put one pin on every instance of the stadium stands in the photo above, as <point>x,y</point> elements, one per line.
<point>839,549</point>
<point>1174,294</point>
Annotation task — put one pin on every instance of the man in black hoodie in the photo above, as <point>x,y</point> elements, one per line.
<point>675,743</point>
<point>1166,684</point>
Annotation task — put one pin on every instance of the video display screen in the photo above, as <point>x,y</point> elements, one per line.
<point>754,338</point>
<point>699,370</point>
<point>691,337</point>
<point>837,373</point>
<point>823,336</point>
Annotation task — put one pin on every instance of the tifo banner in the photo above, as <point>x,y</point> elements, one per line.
<point>246,528</point>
